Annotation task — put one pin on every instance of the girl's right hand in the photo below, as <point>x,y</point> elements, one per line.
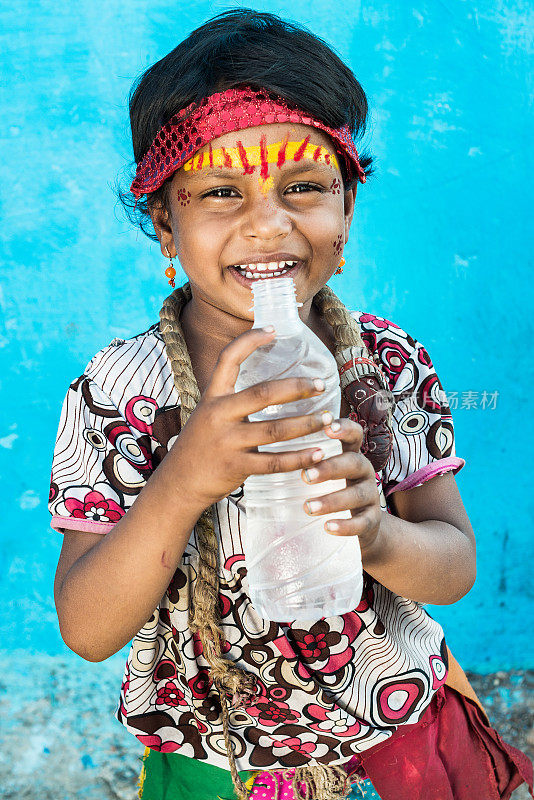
<point>216,448</point>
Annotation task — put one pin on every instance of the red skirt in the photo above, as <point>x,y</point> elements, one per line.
<point>452,753</point>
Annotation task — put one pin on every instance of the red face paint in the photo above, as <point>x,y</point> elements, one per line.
<point>227,158</point>
<point>300,152</point>
<point>248,170</point>
<point>335,188</point>
<point>184,197</point>
<point>338,245</point>
<point>282,153</point>
<point>216,115</point>
<point>263,157</point>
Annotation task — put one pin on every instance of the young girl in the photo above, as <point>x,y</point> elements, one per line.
<point>246,167</point>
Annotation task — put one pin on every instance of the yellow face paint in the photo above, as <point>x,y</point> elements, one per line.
<point>247,158</point>
<point>265,184</point>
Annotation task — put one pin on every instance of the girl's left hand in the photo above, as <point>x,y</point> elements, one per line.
<point>360,497</point>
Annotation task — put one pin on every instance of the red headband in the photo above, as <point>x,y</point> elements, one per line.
<point>221,113</point>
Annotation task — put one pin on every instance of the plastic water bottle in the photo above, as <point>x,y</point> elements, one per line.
<point>296,569</point>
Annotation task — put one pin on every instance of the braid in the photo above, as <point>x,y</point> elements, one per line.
<point>205,612</point>
<point>323,782</point>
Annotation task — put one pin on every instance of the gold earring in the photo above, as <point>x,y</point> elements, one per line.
<point>339,269</point>
<point>170,272</point>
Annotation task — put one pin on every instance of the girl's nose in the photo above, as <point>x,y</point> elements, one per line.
<point>266,217</point>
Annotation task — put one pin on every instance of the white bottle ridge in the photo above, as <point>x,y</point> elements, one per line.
<point>296,570</point>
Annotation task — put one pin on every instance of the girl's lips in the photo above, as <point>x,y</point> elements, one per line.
<point>244,281</point>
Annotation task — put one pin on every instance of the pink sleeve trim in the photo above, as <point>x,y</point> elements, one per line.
<point>424,474</point>
<point>73,524</point>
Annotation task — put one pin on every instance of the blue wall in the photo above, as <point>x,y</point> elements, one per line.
<point>438,245</point>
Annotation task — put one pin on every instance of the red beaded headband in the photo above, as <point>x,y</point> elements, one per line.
<point>234,109</point>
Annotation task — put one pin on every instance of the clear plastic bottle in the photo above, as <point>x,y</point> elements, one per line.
<point>296,569</point>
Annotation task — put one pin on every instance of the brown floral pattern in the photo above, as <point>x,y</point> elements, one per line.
<point>326,689</point>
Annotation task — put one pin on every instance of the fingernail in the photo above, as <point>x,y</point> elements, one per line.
<point>319,384</point>
<point>335,426</point>
<point>313,505</point>
<point>327,417</point>
<point>311,473</point>
<point>332,526</point>
<point>317,456</point>
<point>269,329</point>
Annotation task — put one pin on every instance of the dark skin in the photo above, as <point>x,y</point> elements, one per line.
<point>425,550</point>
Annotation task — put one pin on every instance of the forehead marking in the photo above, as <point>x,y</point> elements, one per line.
<point>265,184</point>
<point>250,157</point>
<point>248,168</point>
<point>282,152</point>
<point>264,158</point>
<point>227,159</point>
<point>302,149</point>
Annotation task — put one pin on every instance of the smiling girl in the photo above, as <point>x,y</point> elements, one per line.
<point>246,168</point>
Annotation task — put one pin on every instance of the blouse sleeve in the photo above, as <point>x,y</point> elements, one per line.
<point>423,430</point>
<point>100,463</point>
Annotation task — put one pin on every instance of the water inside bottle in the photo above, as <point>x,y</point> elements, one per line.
<point>296,570</point>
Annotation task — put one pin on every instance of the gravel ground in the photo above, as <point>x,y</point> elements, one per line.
<point>59,740</point>
<point>508,698</point>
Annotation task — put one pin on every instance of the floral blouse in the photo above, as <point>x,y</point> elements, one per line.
<point>326,690</point>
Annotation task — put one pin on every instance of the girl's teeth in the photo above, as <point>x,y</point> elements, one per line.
<point>267,270</point>
<point>272,274</point>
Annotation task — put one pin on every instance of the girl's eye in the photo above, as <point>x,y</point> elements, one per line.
<point>214,192</point>
<point>307,185</point>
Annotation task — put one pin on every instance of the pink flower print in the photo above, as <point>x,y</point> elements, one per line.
<point>334,721</point>
<point>271,712</point>
<point>155,743</point>
<point>295,744</point>
<point>170,695</point>
<point>152,740</point>
<point>94,506</point>
<point>291,743</point>
<point>337,634</point>
<point>378,322</point>
<point>315,644</point>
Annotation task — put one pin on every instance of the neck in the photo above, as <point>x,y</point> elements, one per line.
<point>208,329</point>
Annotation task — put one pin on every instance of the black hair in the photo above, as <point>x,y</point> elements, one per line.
<point>238,47</point>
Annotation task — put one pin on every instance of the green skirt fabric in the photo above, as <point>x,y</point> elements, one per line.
<point>171,776</point>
